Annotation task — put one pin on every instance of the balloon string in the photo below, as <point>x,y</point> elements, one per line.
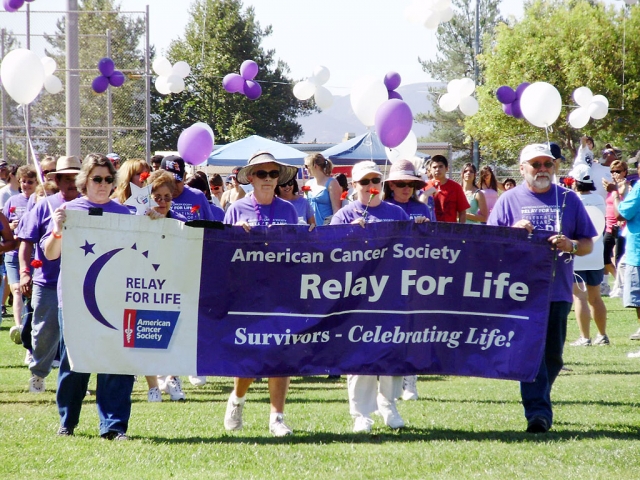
<point>34,158</point>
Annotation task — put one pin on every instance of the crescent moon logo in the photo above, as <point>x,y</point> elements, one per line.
<point>89,286</point>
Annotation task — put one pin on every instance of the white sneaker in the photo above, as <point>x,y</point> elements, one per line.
<point>581,342</point>
<point>410,387</point>
<point>197,381</point>
<point>36,384</point>
<point>634,354</point>
<point>154,395</point>
<point>55,364</point>
<point>174,388</point>
<point>362,424</point>
<point>28,358</point>
<point>15,333</point>
<point>389,413</point>
<point>233,415</point>
<point>605,289</point>
<point>278,428</point>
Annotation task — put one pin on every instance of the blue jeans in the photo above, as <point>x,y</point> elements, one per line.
<point>45,329</point>
<point>113,395</point>
<point>536,395</point>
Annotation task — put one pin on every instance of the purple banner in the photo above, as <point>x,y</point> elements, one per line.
<point>392,298</point>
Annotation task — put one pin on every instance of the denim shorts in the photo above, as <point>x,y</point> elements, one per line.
<point>592,278</point>
<point>12,263</point>
<point>631,291</point>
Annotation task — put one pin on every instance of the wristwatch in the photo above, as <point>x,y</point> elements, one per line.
<point>574,247</point>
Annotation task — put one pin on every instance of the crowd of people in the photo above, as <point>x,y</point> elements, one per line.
<point>267,192</point>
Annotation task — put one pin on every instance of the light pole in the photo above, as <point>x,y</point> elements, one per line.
<point>72,80</point>
<point>476,72</point>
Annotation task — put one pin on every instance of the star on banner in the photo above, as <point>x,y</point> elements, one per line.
<point>140,199</point>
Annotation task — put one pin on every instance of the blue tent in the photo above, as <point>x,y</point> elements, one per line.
<point>362,147</point>
<point>237,153</point>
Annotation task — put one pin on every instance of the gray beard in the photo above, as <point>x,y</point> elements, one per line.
<point>540,181</point>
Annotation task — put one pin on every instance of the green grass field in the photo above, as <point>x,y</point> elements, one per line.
<point>460,427</point>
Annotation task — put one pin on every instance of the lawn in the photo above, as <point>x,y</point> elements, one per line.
<point>459,428</point>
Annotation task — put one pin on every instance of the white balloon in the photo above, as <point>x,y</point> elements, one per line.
<point>446,14</point>
<point>579,117</point>
<point>49,65</point>
<point>52,84</point>
<point>162,85</point>
<point>176,83</point>
<point>601,98</point>
<point>431,19</point>
<point>453,87</point>
<point>162,66</point>
<point>466,87</point>
<point>406,150</point>
<point>582,96</point>
<point>206,127</point>
<point>22,75</point>
<point>597,110</point>
<point>597,218</point>
<point>367,94</point>
<point>469,106</point>
<point>182,69</point>
<point>448,102</point>
<point>304,90</point>
<point>320,75</point>
<point>541,104</point>
<point>323,97</point>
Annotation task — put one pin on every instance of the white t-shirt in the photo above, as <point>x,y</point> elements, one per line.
<point>595,260</point>
<point>598,172</point>
<point>6,193</point>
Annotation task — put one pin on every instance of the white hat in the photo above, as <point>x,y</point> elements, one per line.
<point>581,173</point>
<point>404,170</point>
<point>362,169</point>
<point>287,172</point>
<point>535,150</point>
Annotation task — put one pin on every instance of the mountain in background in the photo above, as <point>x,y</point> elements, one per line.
<point>330,126</point>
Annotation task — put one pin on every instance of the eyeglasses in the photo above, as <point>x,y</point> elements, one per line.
<point>160,198</point>
<point>99,179</point>
<point>28,182</point>
<point>262,174</point>
<point>537,165</point>
<point>288,184</point>
<point>367,181</point>
<point>405,184</point>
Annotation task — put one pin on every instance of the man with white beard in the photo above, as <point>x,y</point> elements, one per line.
<point>541,205</point>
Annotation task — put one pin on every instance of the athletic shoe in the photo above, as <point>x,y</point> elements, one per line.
<point>362,424</point>
<point>36,384</point>
<point>15,333</point>
<point>197,381</point>
<point>538,425</point>
<point>65,432</point>
<point>4,311</point>
<point>616,293</point>
<point>278,428</point>
<point>174,388</point>
<point>581,342</point>
<point>605,289</point>
<point>233,415</point>
<point>115,436</point>
<point>55,364</point>
<point>28,358</point>
<point>389,413</point>
<point>635,336</point>
<point>154,395</point>
<point>410,387</point>
<point>601,340</point>
<point>634,354</point>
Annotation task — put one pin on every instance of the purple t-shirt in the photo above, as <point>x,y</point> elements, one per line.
<point>33,227</point>
<point>385,212</point>
<point>17,203</point>
<point>190,197</point>
<point>415,209</point>
<point>303,207</point>
<point>278,212</point>
<point>541,210</point>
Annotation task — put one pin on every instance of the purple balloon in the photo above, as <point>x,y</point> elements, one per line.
<point>392,80</point>
<point>195,144</point>
<point>516,111</point>
<point>505,94</point>
<point>393,122</point>
<point>249,69</point>
<point>9,5</point>
<point>394,94</point>
<point>106,66</point>
<point>252,89</point>
<point>233,83</point>
<point>506,108</point>
<point>117,78</point>
<point>521,88</point>
<point>100,84</point>
<point>16,3</point>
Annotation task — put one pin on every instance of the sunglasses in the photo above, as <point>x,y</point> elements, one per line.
<point>367,181</point>
<point>288,184</point>
<point>98,179</point>
<point>262,174</point>
<point>406,184</point>
<point>616,171</point>
<point>28,182</point>
<point>160,198</point>
<point>537,165</point>
<point>216,188</point>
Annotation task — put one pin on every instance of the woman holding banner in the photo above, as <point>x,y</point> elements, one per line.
<point>113,393</point>
<point>261,208</point>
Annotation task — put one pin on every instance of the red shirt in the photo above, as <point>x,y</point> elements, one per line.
<point>449,200</point>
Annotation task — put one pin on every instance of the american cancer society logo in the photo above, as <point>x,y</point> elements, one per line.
<point>141,328</point>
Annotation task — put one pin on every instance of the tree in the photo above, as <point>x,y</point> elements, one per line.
<point>569,44</point>
<point>456,59</point>
<point>218,38</point>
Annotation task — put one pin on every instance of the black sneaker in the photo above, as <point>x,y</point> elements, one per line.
<point>65,432</point>
<point>538,425</point>
<point>114,436</point>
